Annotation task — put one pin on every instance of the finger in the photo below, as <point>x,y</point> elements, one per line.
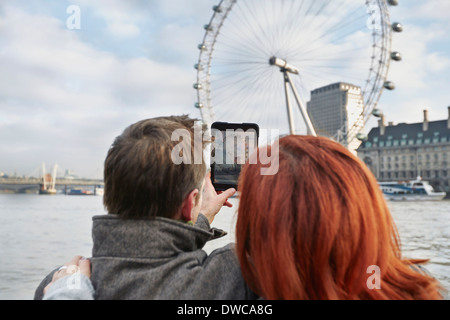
<point>227,194</point>
<point>207,183</point>
<point>228,204</point>
<point>74,261</point>
<point>47,287</point>
<point>85,267</point>
<point>69,268</point>
<point>208,177</point>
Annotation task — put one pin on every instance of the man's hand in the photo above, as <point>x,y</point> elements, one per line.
<point>212,201</point>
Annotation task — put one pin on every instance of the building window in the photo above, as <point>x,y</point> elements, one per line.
<point>368,161</point>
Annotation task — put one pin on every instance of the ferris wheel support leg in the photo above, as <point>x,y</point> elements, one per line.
<point>309,125</point>
<point>288,103</point>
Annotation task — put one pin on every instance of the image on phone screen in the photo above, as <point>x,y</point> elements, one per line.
<point>232,146</point>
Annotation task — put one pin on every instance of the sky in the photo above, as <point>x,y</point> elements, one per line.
<point>69,86</point>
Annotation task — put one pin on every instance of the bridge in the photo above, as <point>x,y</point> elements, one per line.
<point>32,185</point>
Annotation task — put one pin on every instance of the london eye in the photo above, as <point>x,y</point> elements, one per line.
<point>260,60</point>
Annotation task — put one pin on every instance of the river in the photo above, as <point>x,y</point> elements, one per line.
<point>38,233</point>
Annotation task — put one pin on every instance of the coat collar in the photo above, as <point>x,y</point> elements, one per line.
<point>147,238</point>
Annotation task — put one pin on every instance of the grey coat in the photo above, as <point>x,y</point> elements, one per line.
<point>161,259</point>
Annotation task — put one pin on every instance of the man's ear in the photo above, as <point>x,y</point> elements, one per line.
<point>188,205</point>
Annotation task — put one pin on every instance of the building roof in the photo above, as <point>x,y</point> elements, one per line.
<point>333,86</point>
<point>405,134</point>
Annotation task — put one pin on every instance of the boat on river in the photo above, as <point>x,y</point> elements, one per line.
<point>415,190</point>
<point>80,192</point>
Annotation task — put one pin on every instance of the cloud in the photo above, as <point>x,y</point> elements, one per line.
<point>424,73</point>
<point>123,29</point>
<point>62,100</point>
<point>418,10</point>
<point>65,95</point>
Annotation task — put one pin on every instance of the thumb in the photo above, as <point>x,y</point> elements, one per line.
<point>85,267</point>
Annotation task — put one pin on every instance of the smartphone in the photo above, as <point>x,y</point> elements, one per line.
<point>231,147</point>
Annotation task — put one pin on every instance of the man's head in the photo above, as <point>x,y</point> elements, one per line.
<point>142,181</point>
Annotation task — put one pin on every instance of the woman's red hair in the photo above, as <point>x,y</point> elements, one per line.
<point>312,230</point>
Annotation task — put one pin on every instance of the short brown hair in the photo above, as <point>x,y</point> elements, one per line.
<point>141,180</point>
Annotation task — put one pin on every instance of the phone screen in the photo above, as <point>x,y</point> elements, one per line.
<point>232,146</point>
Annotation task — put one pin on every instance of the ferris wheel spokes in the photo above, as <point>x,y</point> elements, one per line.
<point>286,69</point>
<point>325,42</point>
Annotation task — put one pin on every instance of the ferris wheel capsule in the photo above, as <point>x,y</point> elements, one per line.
<point>362,137</point>
<point>397,27</point>
<point>396,56</point>
<point>377,113</point>
<point>393,2</point>
<point>389,85</point>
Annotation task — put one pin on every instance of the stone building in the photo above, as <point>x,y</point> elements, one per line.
<point>406,151</point>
